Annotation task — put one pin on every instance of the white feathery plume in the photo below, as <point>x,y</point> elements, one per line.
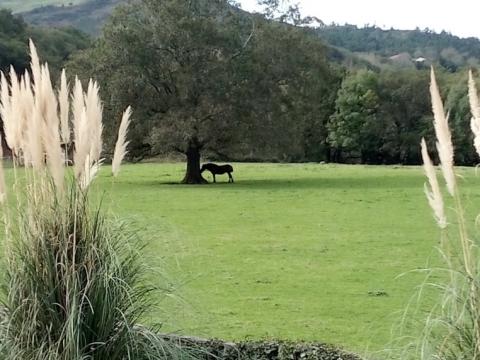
<point>27,109</point>
<point>82,148</point>
<point>475,110</point>
<point>78,103</point>
<point>433,193</point>
<point>94,110</point>
<point>34,149</point>
<point>64,108</point>
<point>3,188</point>
<point>11,123</point>
<point>121,145</point>
<point>91,169</point>
<point>444,137</point>
<point>35,62</point>
<point>5,101</point>
<point>50,130</point>
<point>79,124</point>
<point>4,95</point>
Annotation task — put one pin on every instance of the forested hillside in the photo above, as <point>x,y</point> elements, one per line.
<point>350,45</point>
<point>54,45</point>
<point>88,16</point>
<point>17,6</point>
<point>410,46</point>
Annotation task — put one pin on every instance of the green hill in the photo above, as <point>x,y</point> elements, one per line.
<point>26,5</point>
<point>404,47</point>
<point>352,46</point>
<point>88,16</point>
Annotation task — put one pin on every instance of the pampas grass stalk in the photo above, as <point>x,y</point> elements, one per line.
<point>64,108</point>
<point>3,189</point>
<point>11,123</point>
<point>94,111</point>
<point>122,143</point>
<point>80,126</point>
<point>433,193</point>
<point>452,328</point>
<point>475,110</point>
<point>444,137</point>
<point>74,284</point>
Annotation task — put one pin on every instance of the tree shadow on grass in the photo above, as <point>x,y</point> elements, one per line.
<point>384,182</point>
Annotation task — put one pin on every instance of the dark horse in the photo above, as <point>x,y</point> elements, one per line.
<point>218,170</point>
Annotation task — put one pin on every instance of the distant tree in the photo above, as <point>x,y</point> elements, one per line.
<point>405,110</point>
<point>354,126</point>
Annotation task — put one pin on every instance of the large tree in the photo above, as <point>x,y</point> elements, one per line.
<point>205,77</point>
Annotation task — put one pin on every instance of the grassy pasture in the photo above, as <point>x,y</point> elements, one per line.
<point>26,5</point>
<point>301,251</point>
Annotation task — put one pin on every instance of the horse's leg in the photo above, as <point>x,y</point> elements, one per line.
<point>230,177</point>
<point>214,180</point>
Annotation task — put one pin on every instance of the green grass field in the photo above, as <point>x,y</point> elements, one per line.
<point>303,252</point>
<point>26,5</point>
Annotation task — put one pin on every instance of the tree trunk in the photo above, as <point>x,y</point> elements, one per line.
<point>193,176</point>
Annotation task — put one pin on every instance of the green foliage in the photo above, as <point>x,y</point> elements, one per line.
<point>381,117</point>
<point>13,41</point>
<point>354,125</point>
<point>55,45</point>
<point>405,112</point>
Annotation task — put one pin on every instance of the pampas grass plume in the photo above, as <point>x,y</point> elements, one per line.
<point>5,102</point>
<point>475,110</point>
<point>35,61</point>
<point>94,111</point>
<point>64,108</point>
<point>444,137</point>
<point>3,188</point>
<point>121,145</point>
<point>82,148</point>
<point>11,123</point>
<point>433,193</point>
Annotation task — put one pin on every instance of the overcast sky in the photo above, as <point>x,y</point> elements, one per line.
<point>460,17</point>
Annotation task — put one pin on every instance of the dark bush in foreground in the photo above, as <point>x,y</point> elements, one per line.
<point>260,350</point>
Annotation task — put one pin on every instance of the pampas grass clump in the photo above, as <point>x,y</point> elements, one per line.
<point>452,328</point>
<point>74,285</point>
